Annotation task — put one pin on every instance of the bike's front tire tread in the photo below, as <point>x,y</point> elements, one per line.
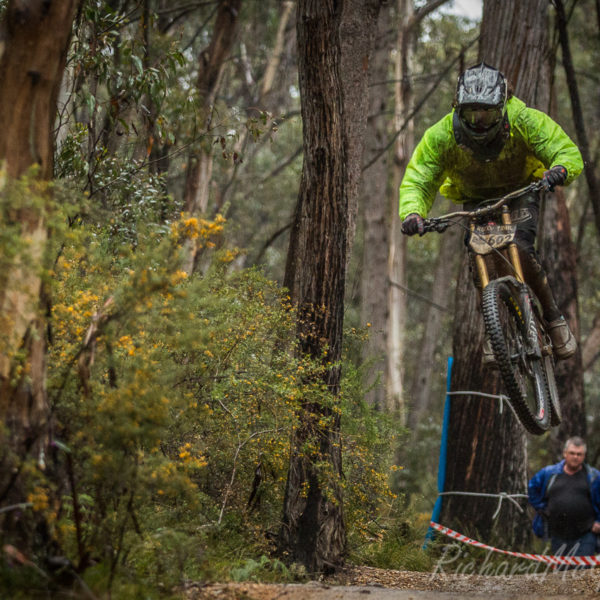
<point>496,294</point>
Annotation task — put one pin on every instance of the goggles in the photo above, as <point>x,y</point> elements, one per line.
<point>481,119</point>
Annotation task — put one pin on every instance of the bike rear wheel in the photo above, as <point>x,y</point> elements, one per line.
<point>506,314</point>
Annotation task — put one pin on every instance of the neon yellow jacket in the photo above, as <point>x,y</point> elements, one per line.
<point>536,143</point>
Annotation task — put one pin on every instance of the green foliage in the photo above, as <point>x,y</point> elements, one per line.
<point>174,396</point>
<point>174,399</point>
<point>176,363</point>
<point>419,457</point>
<point>19,583</point>
<point>15,196</point>
<point>394,540</point>
<point>263,569</point>
<point>369,439</point>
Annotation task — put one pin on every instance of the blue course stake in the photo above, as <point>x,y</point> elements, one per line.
<point>437,508</point>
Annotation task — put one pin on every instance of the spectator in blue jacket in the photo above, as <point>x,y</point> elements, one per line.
<point>566,497</point>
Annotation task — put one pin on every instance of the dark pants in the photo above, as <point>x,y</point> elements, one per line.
<point>582,546</point>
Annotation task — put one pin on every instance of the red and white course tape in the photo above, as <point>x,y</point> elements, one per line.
<point>581,561</point>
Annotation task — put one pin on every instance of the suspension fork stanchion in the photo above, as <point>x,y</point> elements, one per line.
<point>482,271</point>
<point>534,345</point>
<point>513,251</point>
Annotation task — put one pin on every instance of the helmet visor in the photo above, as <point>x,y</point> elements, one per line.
<point>481,118</point>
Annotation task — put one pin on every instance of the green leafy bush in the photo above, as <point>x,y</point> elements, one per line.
<point>174,399</point>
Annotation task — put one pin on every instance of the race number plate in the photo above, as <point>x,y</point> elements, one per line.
<point>485,238</point>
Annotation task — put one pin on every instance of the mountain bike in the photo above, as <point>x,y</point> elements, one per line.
<point>512,317</point>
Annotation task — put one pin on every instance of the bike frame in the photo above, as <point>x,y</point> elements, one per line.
<point>524,352</point>
<point>509,252</point>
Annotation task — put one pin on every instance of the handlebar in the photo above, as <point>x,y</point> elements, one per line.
<point>440,224</point>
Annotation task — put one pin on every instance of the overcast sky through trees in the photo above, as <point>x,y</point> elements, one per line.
<point>465,8</point>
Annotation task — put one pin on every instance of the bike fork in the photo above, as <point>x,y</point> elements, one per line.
<point>513,251</point>
<point>482,271</point>
<point>534,347</point>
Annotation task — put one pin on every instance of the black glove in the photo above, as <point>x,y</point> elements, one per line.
<point>413,224</point>
<point>555,176</point>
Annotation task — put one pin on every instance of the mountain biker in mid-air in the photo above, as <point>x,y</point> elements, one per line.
<point>489,145</point>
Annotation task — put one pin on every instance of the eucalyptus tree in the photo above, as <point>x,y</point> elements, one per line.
<point>487,447</point>
<point>35,41</point>
<point>559,255</point>
<point>313,530</point>
<point>384,269</point>
<point>210,68</point>
<point>376,206</point>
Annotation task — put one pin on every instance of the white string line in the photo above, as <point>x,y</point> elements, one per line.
<point>16,506</point>
<point>500,495</point>
<point>500,397</point>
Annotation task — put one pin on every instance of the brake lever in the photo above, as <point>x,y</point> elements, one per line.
<point>435,224</point>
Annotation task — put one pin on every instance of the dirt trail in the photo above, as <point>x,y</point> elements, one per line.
<point>378,584</point>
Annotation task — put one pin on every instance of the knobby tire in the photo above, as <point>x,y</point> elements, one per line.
<point>523,375</point>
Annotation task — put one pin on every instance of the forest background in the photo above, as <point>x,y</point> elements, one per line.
<point>157,449</point>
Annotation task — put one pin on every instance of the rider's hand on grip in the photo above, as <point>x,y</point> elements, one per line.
<point>555,176</point>
<point>413,224</point>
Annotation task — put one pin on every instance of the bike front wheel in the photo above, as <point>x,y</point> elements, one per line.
<point>508,321</point>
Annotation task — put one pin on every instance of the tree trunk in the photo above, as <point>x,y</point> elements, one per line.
<point>487,451</point>
<point>531,80</point>
<point>210,69</point>
<point>357,33</point>
<point>376,210</point>
<point>486,447</point>
<point>35,39</point>
<point>589,172</point>
<point>559,259</point>
<point>313,531</point>
<point>403,148</point>
<point>158,158</point>
<point>264,100</point>
<point>269,77</point>
<point>444,272</point>
<point>525,65</point>
<point>591,348</point>
<point>383,303</point>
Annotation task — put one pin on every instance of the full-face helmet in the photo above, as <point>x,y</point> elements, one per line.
<point>480,103</point>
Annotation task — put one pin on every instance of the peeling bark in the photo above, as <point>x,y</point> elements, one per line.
<point>35,39</point>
